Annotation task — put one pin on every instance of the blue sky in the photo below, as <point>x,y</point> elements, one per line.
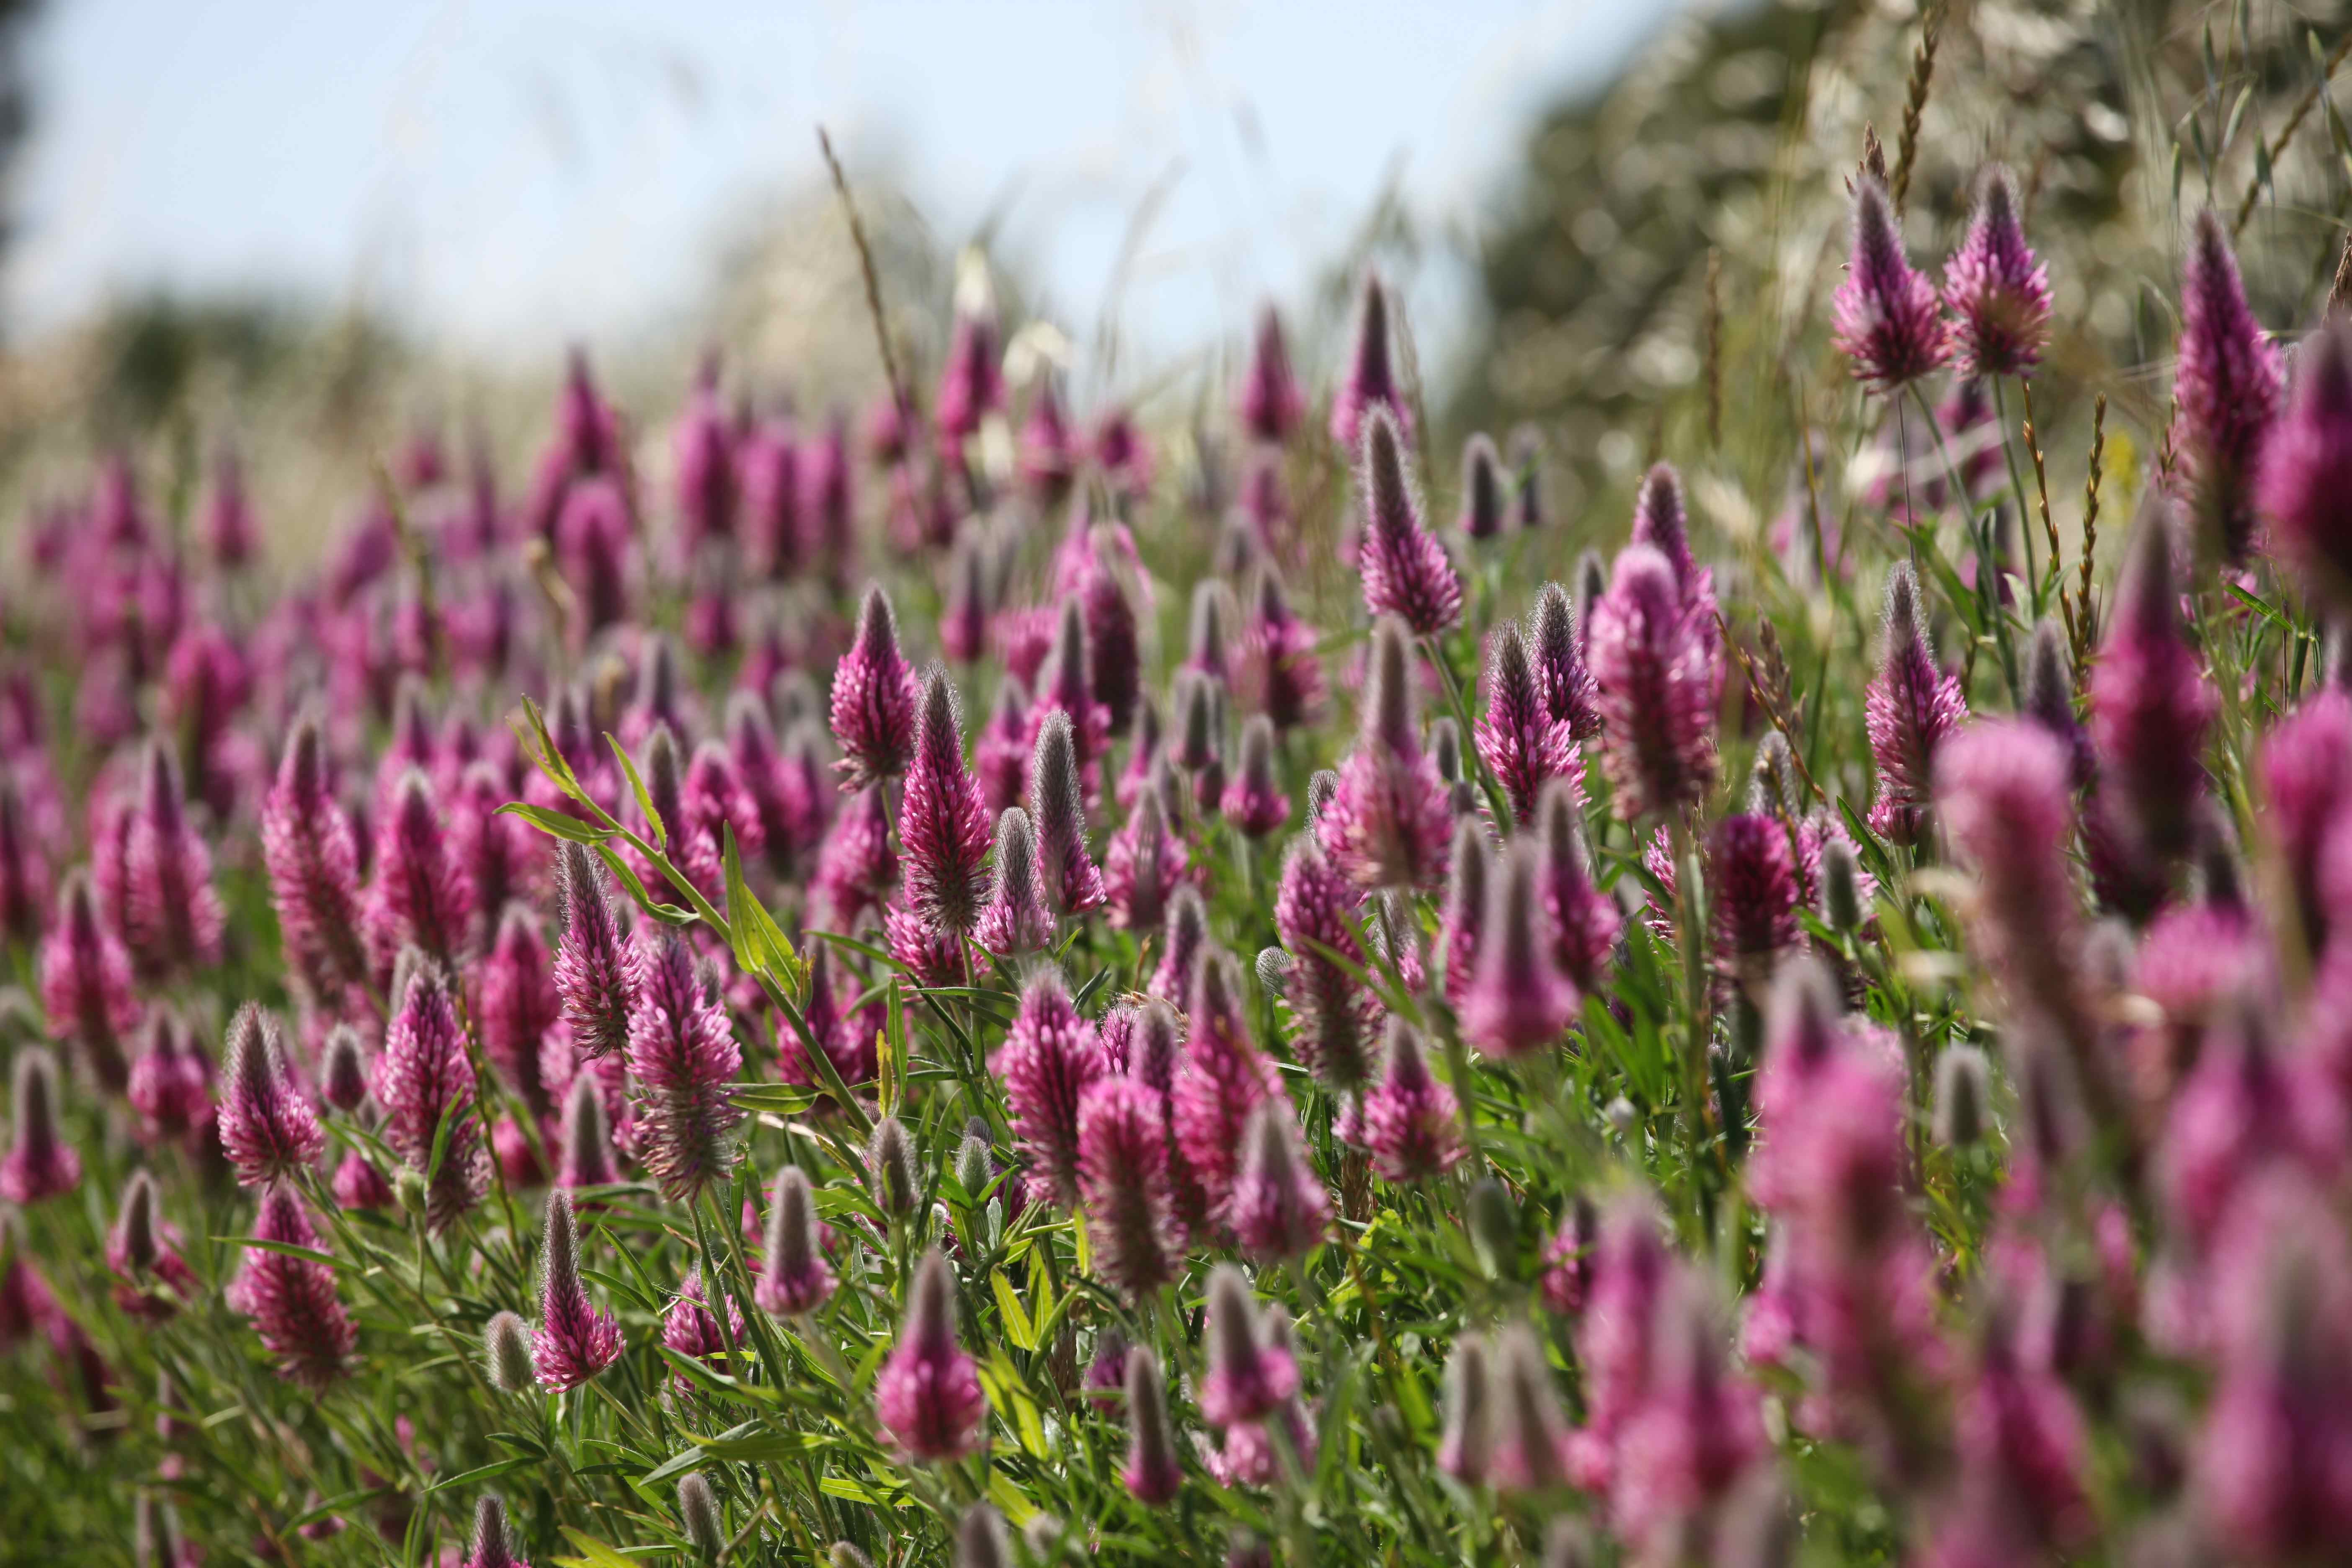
<point>516,172</point>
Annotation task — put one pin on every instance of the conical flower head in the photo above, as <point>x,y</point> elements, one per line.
<point>1280,675</point>
<point>1466,1443</point>
<point>1057,809</point>
<point>1048,448</point>
<point>170,1084</point>
<point>1405,570</point>
<point>928,1396</point>
<point>2150,702</point>
<point>576,1340</point>
<point>291,1298</point>
<point>1187,939</point>
<point>597,972</point>
<point>39,1164</point>
<point>1529,1437</point>
<point>1371,380</point>
<point>423,1078</point>
<point>1886,315</point>
<point>1585,921</point>
<point>172,918</point>
<point>1000,755</point>
<point>1124,1185</point>
<point>422,895</point>
<point>1224,1078</point>
<point>1153,1473</point>
<point>1658,670</point>
<point>1143,867</point>
<point>86,983</point>
<point>2048,695</point>
<point>1016,920</point>
<point>971,376</point>
<point>1333,1014</point>
<point>897,1184</point>
<point>1247,1376</point>
<point>1752,891</point>
<point>1661,522</point>
<point>1518,736</point>
<point>1278,1208</point>
<point>1390,820</point>
<point>1464,916</point>
<point>1910,709</point>
<point>517,1005</point>
<point>507,1354</point>
<point>796,1278</point>
<point>313,862</point>
<point>587,1159</point>
<point>2226,383</point>
<point>1065,686</point>
<point>1047,1061</point>
<point>267,1129</point>
<point>943,824</point>
<point>874,700</point>
<point>2306,465</point>
<point>1519,1001</point>
<point>1998,293</point>
<point>1114,654</point>
<point>1411,1122</point>
<point>1558,649</point>
<point>682,1059</point>
<point>1269,402</point>
<point>1485,504</point>
<point>703,453</point>
<point>2005,792</point>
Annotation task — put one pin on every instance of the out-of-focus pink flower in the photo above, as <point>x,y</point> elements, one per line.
<point>1269,402</point>
<point>2150,705</point>
<point>1278,1208</point>
<point>1247,1378</point>
<point>796,1278</point>
<point>1390,821</point>
<point>1001,754</point>
<point>1333,1014</point>
<point>291,1298</point>
<point>1658,667</point>
<point>1047,1061</point>
<point>1016,920</point>
<point>1123,1184</point>
<point>86,983</point>
<point>1371,380</point>
<point>2226,381</point>
<point>422,895</point>
<point>927,1394</point>
<point>1518,1001</point>
<point>1224,1078</point>
<point>39,1164</point>
<point>1410,1118</point>
<point>1910,709</point>
<point>2306,488</point>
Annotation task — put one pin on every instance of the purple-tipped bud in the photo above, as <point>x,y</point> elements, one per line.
<point>1910,709</point>
<point>1016,920</point>
<point>314,861</point>
<point>1519,1001</point>
<point>1485,503</point>
<point>1661,522</point>
<point>422,895</point>
<point>928,1396</point>
<point>267,1127</point>
<point>1371,380</point>
<point>1057,808</point>
<point>1279,674</point>
<point>358,1184</point>
<point>1657,668</point>
<point>1405,570</point>
<point>1047,1061</point>
<point>1278,1208</point>
<point>703,447</point>
<point>683,1057</point>
<point>597,970</point>
<point>1224,1080</point>
<point>963,619</point>
<point>86,983</point>
<point>1247,1376</point>
<point>343,1070</point>
<point>1198,744</point>
<point>291,1298</point>
<point>1886,319</point>
<point>1211,631</point>
<point>971,378</point>
<point>172,918</point>
<point>690,1324</point>
<point>2150,704</point>
<point>2226,383</point>
<point>857,864</point>
<point>1518,736</point>
<point>1065,686</point>
<point>943,824</point>
<point>875,699</point>
<point>1390,820</point>
<point>1114,655</point>
<point>2006,795</point>
<point>1998,293</point>
<point>1466,1445</point>
<point>493,1541</point>
<point>795,1280</point>
<point>2048,695</point>
<point>1529,1435</point>
<point>1049,450</point>
<point>1410,1120</point>
<point>1123,1182</point>
<point>1568,1257</point>
<point>1153,1473</point>
<point>421,1077</point>
<point>517,1005</point>
<point>1752,889</point>
<point>1187,939</point>
<point>1585,921</point>
<point>576,1340</point>
<point>1464,916</point>
<point>1333,1014</point>
<point>1269,402</point>
<point>40,1163</point>
<point>981,1540</point>
<point>2307,464</point>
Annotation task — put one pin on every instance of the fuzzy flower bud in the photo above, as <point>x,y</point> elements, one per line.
<point>86,983</point>
<point>507,1354</point>
<point>1405,570</point>
<point>576,1340</point>
<point>291,1299</point>
<point>493,1542</point>
<point>1389,820</point>
<point>423,894</point>
<point>2226,381</point>
<point>1558,649</point>
<point>1249,1374</point>
<point>1224,1080</point>
<point>2150,704</point>
<point>1998,293</point>
<point>1910,710</point>
<point>1278,1208</point>
<point>1123,1182</point>
<point>1518,736</point>
<point>2306,465</point>
<point>1529,1435</point>
<point>1057,809</point>
<point>1047,1061</point>
<point>587,1159</point>
<point>1466,1442</point>
<point>1658,671</point>
<point>1885,313</point>
<point>941,824</point>
<point>927,1394</point>
<point>267,1127</point>
<point>1269,404</point>
<point>314,861</point>
<point>1152,1472</point>
<point>1016,920</point>
<point>683,1057</point>
<point>1333,1014</point>
<point>421,1077</point>
<point>1411,1121</point>
<point>874,700</point>
<point>795,1280</point>
<point>1519,1001</point>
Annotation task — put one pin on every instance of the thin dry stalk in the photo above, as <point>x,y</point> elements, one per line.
<point>899,392</point>
<point>1915,103</point>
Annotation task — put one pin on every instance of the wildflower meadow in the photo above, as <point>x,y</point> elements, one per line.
<point>946,973</point>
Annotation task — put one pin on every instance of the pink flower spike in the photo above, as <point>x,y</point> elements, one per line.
<point>1519,1001</point>
<point>1048,1058</point>
<point>314,861</point>
<point>2226,381</point>
<point>1405,570</point>
<point>40,1163</point>
<point>291,1299</point>
<point>1909,711</point>
<point>86,983</point>
<point>1658,668</point>
<point>1269,404</point>
<point>683,1059</point>
<point>267,1127</point>
<point>1016,920</point>
<point>1517,737</point>
<point>2306,488</point>
<point>1152,1474</point>
<point>1886,317</point>
<point>1333,1014</point>
<point>2151,705</point>
<point>943,824</point>
<point>1248,1378</point>
<point>1223,1079</point>
<point>1057,809</point>
<point>1998,293</point>
<point>796,1278</point>
<point>1389,820</point>
<point>928,1396</point>
<point>422,895</point>
<point>874,700</point>
<point>1124,1186</point>
<point>1411,1121</point>
<point>1278,1208</point>
<point>597,972</point>
<point>575,1341</point>
<point>1372,381</point>
<point>423,1076</point>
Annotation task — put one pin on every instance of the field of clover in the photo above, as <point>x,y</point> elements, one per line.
<point>969,986</point>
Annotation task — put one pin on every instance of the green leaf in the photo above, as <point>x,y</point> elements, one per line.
<point>1017,1321</point>
<point>637,788</point>
<point>561,823</point>
<point>760,945</point>
<point>594,1554</point>
<point>307,1254</point>
<point>626,875</point>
